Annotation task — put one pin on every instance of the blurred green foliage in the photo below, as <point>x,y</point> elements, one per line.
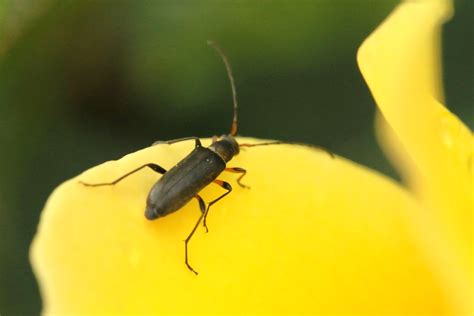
<point>82,82</point>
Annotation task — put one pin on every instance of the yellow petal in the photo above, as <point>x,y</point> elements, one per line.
<point>312,235</point>
<point>433,149</point>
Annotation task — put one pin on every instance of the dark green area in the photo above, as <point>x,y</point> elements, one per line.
<point>83,82</point>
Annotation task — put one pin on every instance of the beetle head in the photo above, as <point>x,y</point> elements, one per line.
<point>226,147</point>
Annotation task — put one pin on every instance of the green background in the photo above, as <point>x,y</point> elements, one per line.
<point>82,82</point>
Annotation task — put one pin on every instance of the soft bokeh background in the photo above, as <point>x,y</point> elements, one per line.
<point>82,82</point>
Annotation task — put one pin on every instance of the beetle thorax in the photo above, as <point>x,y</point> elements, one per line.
<point>226,147</point>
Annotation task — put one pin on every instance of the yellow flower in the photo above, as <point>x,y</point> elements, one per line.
<point>431,147</point>
<point>312,235</point>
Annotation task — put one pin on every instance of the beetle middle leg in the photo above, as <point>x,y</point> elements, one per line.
<point>202,207</point>
<point>224,185</point>
<point>152,166</point>
<point>243,173</point>
<point>204,212</point>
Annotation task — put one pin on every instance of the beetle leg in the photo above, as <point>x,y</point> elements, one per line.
<point>202,207</point>
<point>243,173</point>
<point>202,204</point>
<point>152,166</point>
<point>172,141</point>
<point>224,185</point>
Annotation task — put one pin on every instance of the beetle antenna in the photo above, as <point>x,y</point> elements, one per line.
<point>233,129</point>
<point>330,153</point>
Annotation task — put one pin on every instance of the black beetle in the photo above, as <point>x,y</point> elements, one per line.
<point>188,177</point>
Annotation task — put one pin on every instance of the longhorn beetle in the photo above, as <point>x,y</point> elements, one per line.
<point>202,166</point>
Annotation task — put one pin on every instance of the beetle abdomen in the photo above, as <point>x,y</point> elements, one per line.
<point>182,182</point>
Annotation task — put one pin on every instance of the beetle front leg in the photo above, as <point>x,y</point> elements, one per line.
<point>243,173</point>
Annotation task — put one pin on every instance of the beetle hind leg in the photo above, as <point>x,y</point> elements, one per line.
<point>202,207</point>
<point>152,166</point>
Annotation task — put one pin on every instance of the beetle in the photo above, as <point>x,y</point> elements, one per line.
<point>201,167</point>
